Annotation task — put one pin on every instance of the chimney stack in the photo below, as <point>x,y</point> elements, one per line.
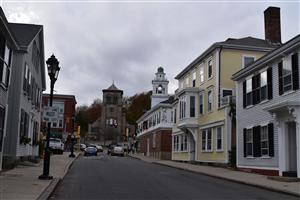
<point>272,25</point>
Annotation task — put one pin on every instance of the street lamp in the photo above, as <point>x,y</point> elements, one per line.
<point>53,70</point>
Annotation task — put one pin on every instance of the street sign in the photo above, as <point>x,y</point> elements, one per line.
<point>50,114</point>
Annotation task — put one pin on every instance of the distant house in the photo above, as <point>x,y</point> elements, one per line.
<point>155,126</point>
<point>24,96</point>
<point>65,123</point>
<point>204,130</point>
<point>268,112</point>
<point>8,44</point>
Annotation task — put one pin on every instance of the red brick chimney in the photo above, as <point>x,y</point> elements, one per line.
<point>272,25</point>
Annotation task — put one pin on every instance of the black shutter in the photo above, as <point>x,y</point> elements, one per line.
<point>256,142</point>
<point>244,94</point>
<point>270,83</point>
<point>257,89</point>
<point>280,78</point>
<point>254,90</point>
<point>295,69</point>
<point>244,139</point>
<point>271,139</point>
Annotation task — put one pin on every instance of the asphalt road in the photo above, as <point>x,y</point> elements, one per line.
<point>106,177</point>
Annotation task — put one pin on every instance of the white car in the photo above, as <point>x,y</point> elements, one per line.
<point>56,145</point>
<point>117,150</point>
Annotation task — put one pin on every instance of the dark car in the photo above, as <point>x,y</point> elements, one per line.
<point>90,151</point>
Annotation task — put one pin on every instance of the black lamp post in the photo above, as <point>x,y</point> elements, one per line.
<point>73,139</point>
<point>53,70</point>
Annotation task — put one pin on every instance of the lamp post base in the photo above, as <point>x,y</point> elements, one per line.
<point>45,177</point>
<point>72,156</point>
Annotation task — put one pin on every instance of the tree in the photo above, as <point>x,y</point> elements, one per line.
<point>137,106</point>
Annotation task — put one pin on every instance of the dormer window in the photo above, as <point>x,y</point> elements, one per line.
<point>247,60</point>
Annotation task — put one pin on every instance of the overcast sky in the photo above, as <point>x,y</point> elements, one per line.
<point>98,42</point>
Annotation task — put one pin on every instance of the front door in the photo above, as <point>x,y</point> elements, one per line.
<point>292,150</point>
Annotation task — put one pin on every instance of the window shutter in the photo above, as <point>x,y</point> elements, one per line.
<point>271,139</point>
<point>254,90</point>
<point>244,94</point>
<point>295,69</point>
<point>257,89</point>
<point>280,78</point>
<point>270,83</point>
<point>256,142</point>
<point>244,138</point>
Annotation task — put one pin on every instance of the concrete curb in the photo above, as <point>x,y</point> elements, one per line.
<point>55,182</point>
<point>225,178</point>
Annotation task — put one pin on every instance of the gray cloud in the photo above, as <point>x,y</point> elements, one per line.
<point>97,43</point>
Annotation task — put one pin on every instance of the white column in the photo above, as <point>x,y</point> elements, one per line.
<point>281,147</point>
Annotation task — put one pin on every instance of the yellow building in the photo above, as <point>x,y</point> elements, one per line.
<point>203,130</point>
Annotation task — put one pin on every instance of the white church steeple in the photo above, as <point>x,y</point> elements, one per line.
<point>159,87</point>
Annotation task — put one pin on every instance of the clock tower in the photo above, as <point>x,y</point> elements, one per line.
<point>159,87</point>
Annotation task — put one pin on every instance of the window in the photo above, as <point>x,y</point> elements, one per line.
<point>209,69</point>
<point>54,124</point>
<point>263,86</point>
<point>176,143</point>
<point>264,141</point>
<point>287,76</point>
<point>201,98</point>
<point>60,123</point>
<point>247,60</point>
<point>206,139</point>
<point>249,92</point>
<point>249,142</point>
<point>2,121</point>
<point>183,142</point>
<point>209,101</point>
<point>24,124</point>
<point>219,138</point>
<point>194,79</point>
<point>175,115</point>
<point>187,81</point>
<point>201,74</point>
<point>192,106</point>
<point>5,66</point>
<point>172,116</point>
<point>227,93</point>
<point>182,107</point>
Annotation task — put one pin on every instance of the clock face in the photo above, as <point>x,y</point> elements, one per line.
<point>159,88</point>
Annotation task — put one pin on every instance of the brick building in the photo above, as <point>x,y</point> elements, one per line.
<point>65,123</point>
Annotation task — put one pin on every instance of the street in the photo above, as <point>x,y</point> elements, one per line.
<point>106,177</point>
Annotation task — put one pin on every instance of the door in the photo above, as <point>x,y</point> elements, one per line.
<point>292,150</point>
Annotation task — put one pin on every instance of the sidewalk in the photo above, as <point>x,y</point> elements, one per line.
<point>261,181</point>
<point>22,183</point>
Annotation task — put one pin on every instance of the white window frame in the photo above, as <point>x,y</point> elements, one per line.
<point>210,101</point>
<point>264,140</point>
<point>287,62</point>
<point>247,56</point>
<point>249,142</point>
<point>206,140</point>
<point>210,60</point>
<point>201,73</point>
<point>266,85</point>
<point>217,138</point>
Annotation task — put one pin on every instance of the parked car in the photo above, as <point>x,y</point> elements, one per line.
<point>90,151</point>
<point>118,151</point>
<point>82,147</point>
<point>56,145</point>
<point>98,147</point>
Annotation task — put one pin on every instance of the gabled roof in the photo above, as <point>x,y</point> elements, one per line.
<point>269,57</point>
<point>24,33</point>
<point>6,30</point>
<point>246,43</point>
